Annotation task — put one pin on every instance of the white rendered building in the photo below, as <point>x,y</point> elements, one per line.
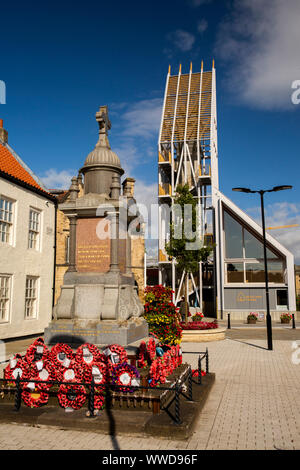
<point>234,280</point>
<point>27,247</point>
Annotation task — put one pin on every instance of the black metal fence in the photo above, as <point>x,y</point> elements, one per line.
<point>178,388</point>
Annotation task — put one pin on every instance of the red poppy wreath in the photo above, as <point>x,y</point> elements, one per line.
<point>34,397</point>
<point>61,356</point>
<point>88,354</point>
<point>71,396</point>
<point>151,349</point>
<point>44,371</point>
<point>126,377</point>
<point>115,354</point>
<point>99,372</point>
<point>37,351</point>
<point>16,366</point>
<point>157,373</point>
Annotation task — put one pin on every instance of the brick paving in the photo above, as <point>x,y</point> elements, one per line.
<point>254,404</point>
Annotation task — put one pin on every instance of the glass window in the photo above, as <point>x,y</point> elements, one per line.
<point>4,297</point>
<point>253,246</point>
<point>275,272</point>
<point>233,237</point>
<point>6,219</point>
<point>255,272</point>
<point>31,297</point>
<point>235,272</point>
<point>282,300</point>
<point>34,229</point>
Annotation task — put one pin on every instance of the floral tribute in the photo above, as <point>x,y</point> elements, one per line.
<point>162,315</point>
<point>16,367</point>
<point>37,351</point>
<point>126,376</point>
<point>71,374</point>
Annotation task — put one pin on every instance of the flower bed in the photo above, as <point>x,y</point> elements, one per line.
<point>162,315</point>
<point>199,325</point>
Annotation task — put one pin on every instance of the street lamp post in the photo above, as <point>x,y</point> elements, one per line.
<point>261,192</point>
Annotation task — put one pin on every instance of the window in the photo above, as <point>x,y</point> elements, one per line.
<point>281,299</point>
<point>4,297</point>
<point>34,229</point>
<point>31,297</point>
<point>235,272</point>
<point>244,252</point>
<point>6,220</point>
<point>234,237</point>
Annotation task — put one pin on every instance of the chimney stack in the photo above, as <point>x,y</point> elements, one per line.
<point>3,133</point>
<point>128,187</point>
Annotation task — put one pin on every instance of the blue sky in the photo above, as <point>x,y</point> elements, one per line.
<point>60,61</point>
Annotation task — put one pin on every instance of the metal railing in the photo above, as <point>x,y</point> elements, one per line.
<point>178,388</point>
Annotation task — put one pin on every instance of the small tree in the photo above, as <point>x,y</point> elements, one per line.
<point>185,244</point>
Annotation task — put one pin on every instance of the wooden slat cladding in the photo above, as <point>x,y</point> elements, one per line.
<point>186,110</point>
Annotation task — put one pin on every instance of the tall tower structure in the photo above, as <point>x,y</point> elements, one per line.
<point>188,154</point>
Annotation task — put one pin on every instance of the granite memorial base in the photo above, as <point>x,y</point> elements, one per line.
<point>99,333</point>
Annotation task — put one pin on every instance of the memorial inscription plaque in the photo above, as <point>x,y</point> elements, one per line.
<point>92,253</point>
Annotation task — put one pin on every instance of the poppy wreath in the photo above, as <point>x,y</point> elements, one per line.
<point>61,356</point>
<point>88,354</point>
<point>157,373</point>
<point>99,401</point>
<point>167,360</point>
<point>173,356</point>
<point>178,355</point>
<point>41,370</point>
<point>72,373</point>
<point>37,351</point>
<point>142,355</point>
<point>35,398</point>
<point>151,349</point>
<point>115,354</point>
<point>16,366</point>
<point>71,396</point>
<point>100,373</point>
<point>126,376</point>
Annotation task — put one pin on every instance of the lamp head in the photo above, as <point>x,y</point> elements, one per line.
<point>242,190</point>
<point>281,188</point>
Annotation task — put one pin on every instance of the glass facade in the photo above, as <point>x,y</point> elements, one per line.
<point>244,256</point>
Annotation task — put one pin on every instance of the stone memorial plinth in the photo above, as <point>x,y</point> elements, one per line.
<point>98,302</point>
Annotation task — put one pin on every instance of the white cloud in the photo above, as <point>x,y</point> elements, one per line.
<point>142,119</point>
<point>54,179</point>
<point>280,214</point>
<point>181,40</point>
<point>259,42</point>
<point>202,26</point>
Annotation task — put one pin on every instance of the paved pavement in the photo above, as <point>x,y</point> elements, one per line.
<point>254,404</point>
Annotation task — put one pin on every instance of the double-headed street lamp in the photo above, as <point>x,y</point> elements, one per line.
<point>262,192</point>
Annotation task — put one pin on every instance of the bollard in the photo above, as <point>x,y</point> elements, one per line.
<point>293,320</point>
<point>228,321</point>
